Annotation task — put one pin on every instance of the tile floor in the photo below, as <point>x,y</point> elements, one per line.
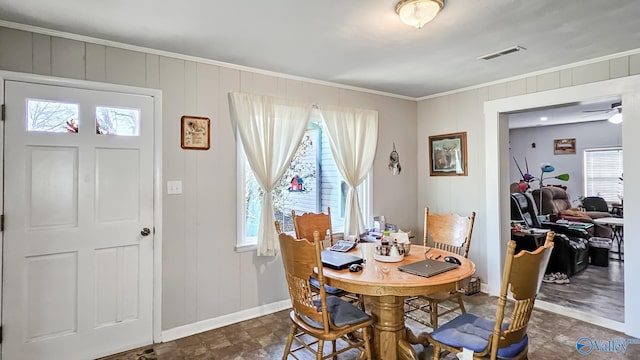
<point>552,336</point>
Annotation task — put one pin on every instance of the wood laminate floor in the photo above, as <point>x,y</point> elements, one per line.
<point>596,290</point>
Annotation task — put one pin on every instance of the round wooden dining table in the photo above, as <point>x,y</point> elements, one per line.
<point>386,288</point>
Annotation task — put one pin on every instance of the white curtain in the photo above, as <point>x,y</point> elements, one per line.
<point>271,130</point>
<point>353,136</point>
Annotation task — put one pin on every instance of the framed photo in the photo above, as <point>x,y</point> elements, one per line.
<point>448,154</point>
<point>195,132</point>
<point>564,146</point>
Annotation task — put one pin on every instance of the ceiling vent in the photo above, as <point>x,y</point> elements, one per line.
<point>504,52</point>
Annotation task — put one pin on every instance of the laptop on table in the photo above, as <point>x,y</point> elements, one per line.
<point>338,260</point>
<point>428,267</point>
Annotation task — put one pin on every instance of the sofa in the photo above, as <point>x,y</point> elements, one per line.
<point>556,201</point>
<point>570,253</point>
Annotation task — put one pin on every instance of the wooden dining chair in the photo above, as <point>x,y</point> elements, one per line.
<point>331,290</point>
<point>323,318</point>
<point>308,223</point>
<point>523,273</point>
<point>449,232</point>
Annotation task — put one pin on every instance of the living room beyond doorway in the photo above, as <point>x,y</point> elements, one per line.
<point>597,290</point>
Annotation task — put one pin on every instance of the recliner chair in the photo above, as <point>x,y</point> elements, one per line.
<point>571,250</point>
<point>556,201</point>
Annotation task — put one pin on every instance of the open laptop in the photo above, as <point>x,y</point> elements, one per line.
<point>339,260</point>
<point>428,267</point>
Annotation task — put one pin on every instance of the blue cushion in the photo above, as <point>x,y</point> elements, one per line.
<point>341,313</point>
<point>328,289</point>
<point>472,332</point>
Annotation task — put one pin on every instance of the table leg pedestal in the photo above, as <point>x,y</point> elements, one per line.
<point>389,332</point>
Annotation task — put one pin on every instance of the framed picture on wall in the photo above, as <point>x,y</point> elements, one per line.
<point>448,154</point>
<point>564,146</point>
<point>195,132</point>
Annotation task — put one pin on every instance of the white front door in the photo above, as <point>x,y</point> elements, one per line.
<point>78,239</point>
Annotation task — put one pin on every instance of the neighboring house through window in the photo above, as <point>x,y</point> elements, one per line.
<point>311,184</point>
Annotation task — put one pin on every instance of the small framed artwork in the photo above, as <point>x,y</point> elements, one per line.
<point>195,132</point>
<point>564,146</point>
<point>448,154</point>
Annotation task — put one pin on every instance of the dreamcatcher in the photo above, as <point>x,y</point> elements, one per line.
<point>394,161</point>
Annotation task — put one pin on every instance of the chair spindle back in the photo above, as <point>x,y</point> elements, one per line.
<point>449,232</point>
<point>523,273</point>
<point>306,224</point>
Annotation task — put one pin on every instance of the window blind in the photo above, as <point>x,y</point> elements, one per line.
<point>603,170</point>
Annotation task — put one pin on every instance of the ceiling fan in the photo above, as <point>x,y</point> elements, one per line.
<point>616,108</point>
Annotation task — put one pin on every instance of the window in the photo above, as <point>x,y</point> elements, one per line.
<point>52,116</point>
<point>311,184</point>
<point>603,173</point>
<point>60,117</point>
<point>117,121</point>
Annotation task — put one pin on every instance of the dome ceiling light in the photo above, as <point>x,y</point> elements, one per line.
<point>417,13</point>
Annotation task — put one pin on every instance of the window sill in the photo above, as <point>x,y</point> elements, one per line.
<point>245,248</point>
<point>252,247</point>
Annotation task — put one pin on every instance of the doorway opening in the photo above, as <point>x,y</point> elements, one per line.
<point>563,136</point>
<point>497,185</point>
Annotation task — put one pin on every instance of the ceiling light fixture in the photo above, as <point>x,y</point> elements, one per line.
<point>416,13</point>
<point>617,117</point>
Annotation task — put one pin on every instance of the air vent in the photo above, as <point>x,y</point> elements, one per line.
<point>502,52</point>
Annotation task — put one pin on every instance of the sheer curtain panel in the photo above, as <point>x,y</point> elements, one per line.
<point>270,130</point>
<point>353,136</point>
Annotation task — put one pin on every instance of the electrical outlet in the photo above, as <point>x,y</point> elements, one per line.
<point>174,187</point>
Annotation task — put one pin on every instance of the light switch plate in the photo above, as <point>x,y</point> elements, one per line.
<point>174,187</point>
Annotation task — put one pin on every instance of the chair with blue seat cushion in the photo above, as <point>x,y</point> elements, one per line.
<point>523,275</point>
<point>331,290</point>
<point>317,317</point>
<point>305,225</point>
<point>449,232</point>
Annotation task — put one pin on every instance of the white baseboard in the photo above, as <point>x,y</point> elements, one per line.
<point>565,311</point>
<point>484,288</point>
<point>210,324</point>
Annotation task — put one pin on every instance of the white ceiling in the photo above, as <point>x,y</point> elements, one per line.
<point>359,43</point>
<point>593,110</point>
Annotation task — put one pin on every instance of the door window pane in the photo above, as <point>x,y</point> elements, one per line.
<point>52,116</point>
<point>117,121</point>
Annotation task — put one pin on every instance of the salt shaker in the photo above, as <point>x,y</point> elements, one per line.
<point>394,250</point>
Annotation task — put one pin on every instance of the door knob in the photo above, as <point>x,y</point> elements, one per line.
<point>145,232</point>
